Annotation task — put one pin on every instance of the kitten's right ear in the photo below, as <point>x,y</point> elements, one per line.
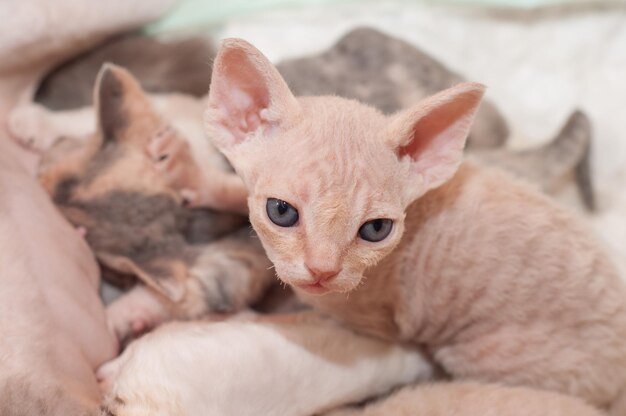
<point>247,95</point>
<point>431,135</point>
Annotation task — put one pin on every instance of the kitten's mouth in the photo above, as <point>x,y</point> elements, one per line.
<point>316,288</point>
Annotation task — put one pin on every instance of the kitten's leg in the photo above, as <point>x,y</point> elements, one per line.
<point>250,368</point>
<point>225,277</point>
<point>38,128</point>
<point>218,190</point>
<point>469,399</point>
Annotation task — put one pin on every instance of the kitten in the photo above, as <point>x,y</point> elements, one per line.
<point>117,186</point>
<point>239,367</point>
<point>376,221</point>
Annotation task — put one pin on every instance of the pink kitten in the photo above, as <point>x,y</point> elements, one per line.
<point>376,221</point>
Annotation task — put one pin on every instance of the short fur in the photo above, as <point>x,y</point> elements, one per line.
<point>492,278</point>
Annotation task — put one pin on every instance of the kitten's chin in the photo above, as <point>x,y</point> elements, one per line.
<point>314,289</point>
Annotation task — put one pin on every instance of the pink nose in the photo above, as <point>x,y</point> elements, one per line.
<point>319,274</point>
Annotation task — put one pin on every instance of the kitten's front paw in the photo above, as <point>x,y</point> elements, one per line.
<point>129,319</point>
<point>30,126</point>
<point>108,372</point>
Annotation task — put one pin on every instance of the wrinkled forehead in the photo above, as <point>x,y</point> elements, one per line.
<point>337,162</point>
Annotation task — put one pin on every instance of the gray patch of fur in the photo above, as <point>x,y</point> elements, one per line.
<point>112,116</point>
<point>550,165</point>
<point>64,189</point>
<point>177,65</point>
<point>143,226</point>
<point>387,73</point>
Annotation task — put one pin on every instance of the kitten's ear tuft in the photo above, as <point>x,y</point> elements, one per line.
<point>433,133</point>
<point>247,95</point>
<point>120,104</point>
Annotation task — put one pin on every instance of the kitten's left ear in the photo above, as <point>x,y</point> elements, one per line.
<point>123,110</point>
<point>432,134</point>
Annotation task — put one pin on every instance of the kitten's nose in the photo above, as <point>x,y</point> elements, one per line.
<point>321,274</point>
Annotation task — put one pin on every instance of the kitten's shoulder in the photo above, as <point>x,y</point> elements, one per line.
<point>475,187</point>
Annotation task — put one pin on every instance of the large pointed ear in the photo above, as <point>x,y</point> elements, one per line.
<point>124,112</point>
<point>432,134</point>
<point>247,95</point>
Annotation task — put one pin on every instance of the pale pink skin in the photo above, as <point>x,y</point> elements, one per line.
<point>472,399</point>
<point>496,281</point>
<point>53,326</point>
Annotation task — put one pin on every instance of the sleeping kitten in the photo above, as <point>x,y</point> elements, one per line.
<point>247,366</point>
<point>117,187</point>
<point>376,221</point>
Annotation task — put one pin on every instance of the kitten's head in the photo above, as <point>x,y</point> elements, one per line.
<point>329,179</point>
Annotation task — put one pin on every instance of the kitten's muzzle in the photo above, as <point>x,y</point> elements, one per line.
<point>320,275</point>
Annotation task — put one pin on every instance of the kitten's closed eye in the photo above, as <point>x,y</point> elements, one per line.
<point>376,230</point>
<point>281,212</point>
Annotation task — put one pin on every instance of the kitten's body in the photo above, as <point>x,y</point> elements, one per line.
<point>497,282</point>
<point>496,294</point>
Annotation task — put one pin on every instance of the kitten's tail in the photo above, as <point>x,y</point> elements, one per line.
<point>567,155</point>
<point>572,149</point>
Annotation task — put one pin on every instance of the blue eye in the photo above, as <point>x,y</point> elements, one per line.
<point>281,213</point>
<point>376,230</point>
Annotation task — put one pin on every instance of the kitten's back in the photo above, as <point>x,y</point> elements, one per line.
<point>387,73</point>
